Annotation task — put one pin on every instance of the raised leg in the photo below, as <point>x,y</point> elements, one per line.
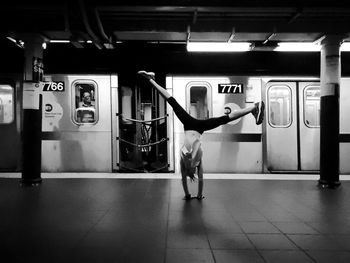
<point>257,110</point>
<point>150,77</point>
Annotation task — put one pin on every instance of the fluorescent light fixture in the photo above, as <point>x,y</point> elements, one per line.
<point>218,46</point>
<point>298,46</point>
<point>59,41</point>
<point>306,47</point>
<point>12,39</point>
<point>345,47</point>
<point>19,42</point>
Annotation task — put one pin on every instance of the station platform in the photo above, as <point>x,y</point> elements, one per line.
<point>80,217</point>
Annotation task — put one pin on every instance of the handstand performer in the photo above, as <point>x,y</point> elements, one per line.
<point>191,152</point>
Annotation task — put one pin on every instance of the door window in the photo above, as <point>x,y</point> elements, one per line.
<point>6,104</point>
<point>85,102</point>
<point>198,101</point>
<point>280,106</point>
<point>312,106</point>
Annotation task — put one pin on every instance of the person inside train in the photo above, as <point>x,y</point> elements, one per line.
<point>86,111</point>
<point>191,151</point>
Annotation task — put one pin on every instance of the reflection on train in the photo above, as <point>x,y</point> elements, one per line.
<point>94,124</point>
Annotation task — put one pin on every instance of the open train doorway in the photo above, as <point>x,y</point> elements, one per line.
<point>142,141</point>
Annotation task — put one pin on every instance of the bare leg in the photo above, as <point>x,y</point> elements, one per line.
<point>257,110</point>
<point>240,113</point>
<point>162,91</point>
<point>150,77</point>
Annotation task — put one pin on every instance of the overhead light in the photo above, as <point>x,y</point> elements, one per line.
<point>12,39</point>
<point>19,42</point>
<point>298,46</point>
<point>345,47</point>
<point>59,41</point>
<point>307,47</point>
<point>218,46</point>
<point>44,45</point>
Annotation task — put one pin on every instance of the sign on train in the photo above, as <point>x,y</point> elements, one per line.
<point>234,88</point>
<point>54,86</point>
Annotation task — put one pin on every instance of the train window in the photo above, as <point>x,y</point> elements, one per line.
<point>85,98</point>
<point>280,106</point>
<point>198,100</point>
<point>312,106</point>
<point>6,104</point>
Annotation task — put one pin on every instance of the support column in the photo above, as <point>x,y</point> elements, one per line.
<point>31,133</point>
<point>329,119</point>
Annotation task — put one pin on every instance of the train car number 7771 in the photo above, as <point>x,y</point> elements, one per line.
<point>235,88</point>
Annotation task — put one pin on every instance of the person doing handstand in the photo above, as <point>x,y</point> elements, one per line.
<point>191,152</point>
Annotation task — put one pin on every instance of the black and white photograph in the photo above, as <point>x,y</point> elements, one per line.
<point>179,131</point>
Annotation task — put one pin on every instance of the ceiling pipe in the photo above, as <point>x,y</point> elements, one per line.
<point>102,32</point>
<point>233,34</point>
<point>295,16</point>
<point>271,36</point>
<point>18,43</point>
<point>95,39</point>
<point>66,18</point>
<point>72,39</point>
<point>195,15</point>
<point>319,40</point>
<point>194,20</point>
<point>188,34</point>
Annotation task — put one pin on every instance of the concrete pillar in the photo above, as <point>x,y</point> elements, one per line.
<point>329,119</point>
<point>31,133</point>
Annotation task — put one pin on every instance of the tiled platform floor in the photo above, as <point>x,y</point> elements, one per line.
<point>146,220</point>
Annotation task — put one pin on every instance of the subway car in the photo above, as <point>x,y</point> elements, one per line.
<point>91,123</point>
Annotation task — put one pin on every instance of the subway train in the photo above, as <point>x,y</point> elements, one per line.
<point>90,123</point>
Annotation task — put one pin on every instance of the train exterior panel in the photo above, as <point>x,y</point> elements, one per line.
<point>77,137</point>
<point>292,124</point>
<point>84,118</point>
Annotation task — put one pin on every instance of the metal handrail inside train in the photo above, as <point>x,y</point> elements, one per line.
<point>143,145</point>
<point>142,121</point>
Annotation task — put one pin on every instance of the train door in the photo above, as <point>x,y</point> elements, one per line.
<point>292,126</point>
<point>231,148</point>
<point>142,143</point>
<point>10,149</point>
<point>281,128</point>
<point>309,125</point>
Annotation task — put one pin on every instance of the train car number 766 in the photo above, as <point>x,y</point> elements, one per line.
<point>54,86</point>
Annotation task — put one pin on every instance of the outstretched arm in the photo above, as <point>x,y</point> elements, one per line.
<point>150,77</point>
<point>200,181</point>
<point>184,179</point>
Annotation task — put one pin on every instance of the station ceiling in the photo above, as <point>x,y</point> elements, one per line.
<point>107,22</point>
